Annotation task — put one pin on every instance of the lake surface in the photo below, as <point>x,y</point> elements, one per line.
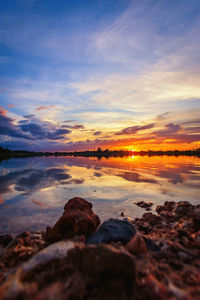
<point>33,191</point>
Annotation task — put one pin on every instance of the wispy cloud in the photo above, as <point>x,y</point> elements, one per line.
<point>134,129</point>
<point>44,107</point>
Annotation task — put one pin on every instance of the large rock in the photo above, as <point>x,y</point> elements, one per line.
<point>109,272</point>
<point>113,230</point>
<point>78,219</point>
<point>67,270</point>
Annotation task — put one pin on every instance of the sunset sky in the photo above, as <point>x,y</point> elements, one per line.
<point>82,74</point>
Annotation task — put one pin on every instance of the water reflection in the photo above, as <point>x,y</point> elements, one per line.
<point>33,191</point>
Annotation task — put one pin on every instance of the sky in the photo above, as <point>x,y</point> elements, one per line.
<point>83,74</point>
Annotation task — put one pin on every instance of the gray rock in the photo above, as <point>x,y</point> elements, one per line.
<point>113,230</point>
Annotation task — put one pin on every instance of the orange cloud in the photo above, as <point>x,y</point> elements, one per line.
<point>10,105</point>
<point>44,107</point>
<point>3,111</point>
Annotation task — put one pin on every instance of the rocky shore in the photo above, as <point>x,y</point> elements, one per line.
<point>154,257</point>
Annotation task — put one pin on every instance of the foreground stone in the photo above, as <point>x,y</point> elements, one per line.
<point>113,230</point>
<point>78,218</point>
<point>69,270</point>
<point>161,260</point>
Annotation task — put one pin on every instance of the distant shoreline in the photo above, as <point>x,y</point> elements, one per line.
<point>7,154</point>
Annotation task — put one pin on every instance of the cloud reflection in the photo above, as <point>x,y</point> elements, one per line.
<point>33,179</point>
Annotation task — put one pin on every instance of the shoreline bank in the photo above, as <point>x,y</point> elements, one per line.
<point>153,257</point>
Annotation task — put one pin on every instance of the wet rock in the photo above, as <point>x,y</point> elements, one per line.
<point>146,205</point>
<point>78,218</point>
<point>113,230</point>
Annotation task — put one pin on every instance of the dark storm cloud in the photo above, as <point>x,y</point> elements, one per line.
<point>135,129</point>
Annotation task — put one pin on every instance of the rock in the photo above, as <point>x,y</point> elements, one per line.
<point>48,267</point>
<point>57,250</point>
<point>109,272</point>
<point>68,270</point>
<point>160,261</point>
<point>154,289</point>
<point>77,219</point>
<point>136,245</point>
<point>143,204</point>
<point>151,245</point>
<point>5,240</point>
<point>113,230</point>
<point>168,206</point>
<point>184,208</point>
<point>22,248</point>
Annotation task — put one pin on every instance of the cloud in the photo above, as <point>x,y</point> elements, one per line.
<point>31,129</point>
<point>135,129</point>
<point>44,107</point>
<point>43,130</point>
<point>169,131</point>
<point>29,116</point>
<point>195,129</point>
<point>10,105</point>
<point>8,128</point>
<point>68,121</point>
<point>97,133</point>
<point>3,111</point>
<point>76,126</point>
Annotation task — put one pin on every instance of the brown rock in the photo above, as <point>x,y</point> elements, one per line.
<point>145,205</point>
<point>184,208</point>
<point>5,240</point>
<point>78,218</point>
<point>109,272</point>
<point>154,289</point>
<point>72,271</point>
<point>136,245</point>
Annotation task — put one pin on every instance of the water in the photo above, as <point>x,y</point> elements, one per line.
<point>33,191</point>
